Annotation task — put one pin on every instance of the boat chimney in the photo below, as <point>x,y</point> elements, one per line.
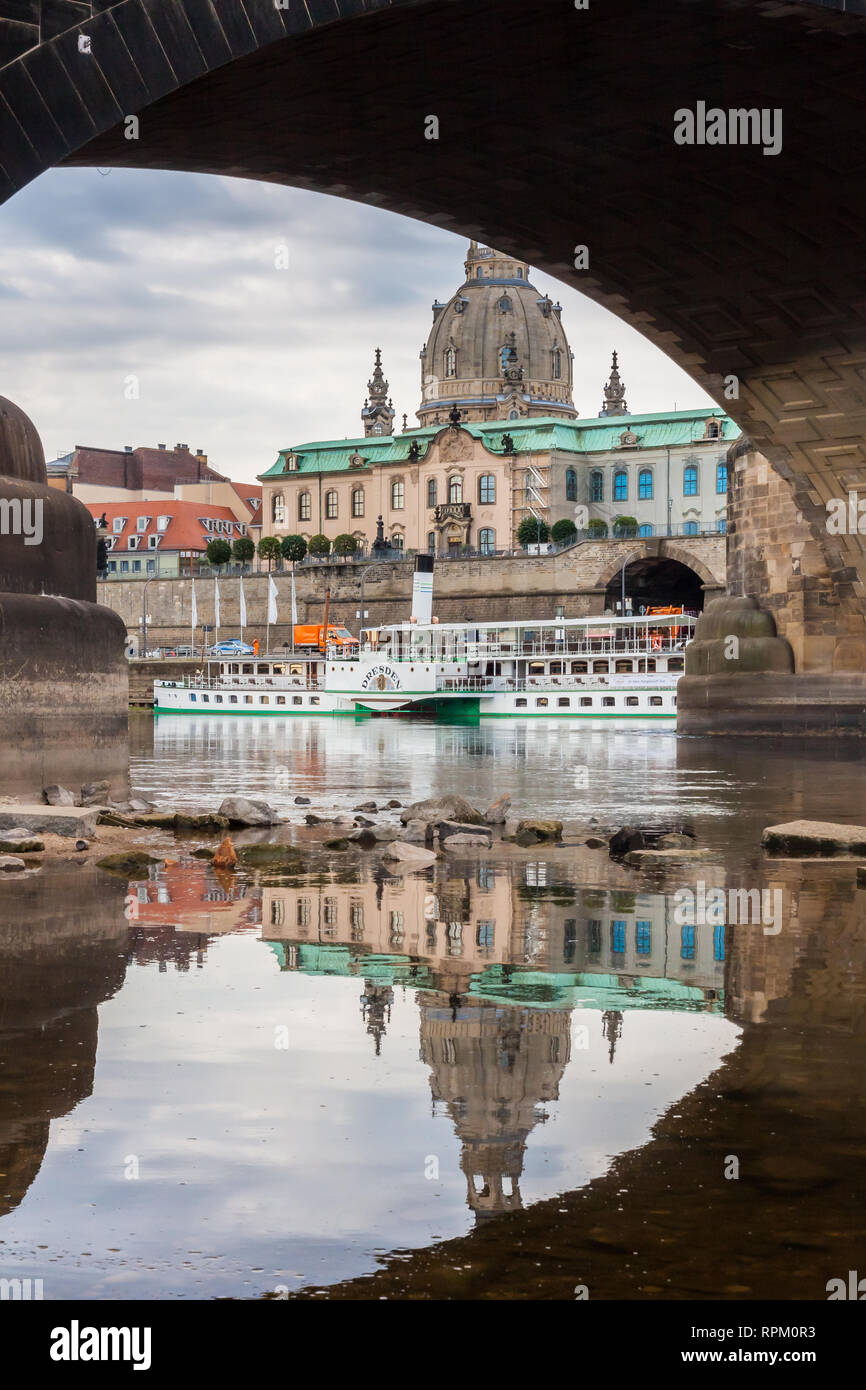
<point>422,589</point>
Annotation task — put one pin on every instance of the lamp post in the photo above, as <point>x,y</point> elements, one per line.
<point>147,584</point>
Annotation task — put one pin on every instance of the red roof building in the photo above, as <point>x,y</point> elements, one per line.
<point>165,538</point>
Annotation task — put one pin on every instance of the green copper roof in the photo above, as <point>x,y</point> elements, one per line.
<point>539,435</point>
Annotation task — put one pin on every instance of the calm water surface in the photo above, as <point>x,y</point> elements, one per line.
<point>500,1078</point>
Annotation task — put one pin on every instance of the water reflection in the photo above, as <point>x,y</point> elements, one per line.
<point>523,1031</point>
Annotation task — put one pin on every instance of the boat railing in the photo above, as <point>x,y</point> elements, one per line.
<point>595,646</point>
<point>619,680</point>
<point>277,683</point>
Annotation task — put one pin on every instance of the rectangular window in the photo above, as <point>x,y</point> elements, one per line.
<point>520,704</point>
<point>136,566</point>
<point>542,703</point>
<point>233,699</point>
<point>632,700</point>
<point>617,938</point>
<point>141,523</point>
<point>205,699</point>
<point>218,699</point>
<point>687,943</point>
<point>281,699</point>
<point>593,937</point>
<point>118,524</point>
<point>248,699</point>
<point>586,702</point>
<point>564,702</point>
<point>655,701</point>
<point>608,700</point>
<point>719,942</point>
<point>297,700</point>
<point>314,700</point>
<point>265,700</point>
<point>484,935</point>
<point>643,938</point>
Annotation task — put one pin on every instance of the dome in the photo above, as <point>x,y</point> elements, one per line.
<point>21,453</point>
<point>497,349</point>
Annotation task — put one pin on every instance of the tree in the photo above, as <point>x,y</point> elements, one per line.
<point>596,527</point>
<point>218,552</point>
<point>319,545</point>
<point>625,526</point>
<point>270,549</point>
<point>345,544</point>
<point>563,530</point>
<point>531,531</point>
<point>243,550</point>
<point>294,548</point>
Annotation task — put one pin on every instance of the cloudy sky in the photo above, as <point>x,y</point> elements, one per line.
<point>179,281</point>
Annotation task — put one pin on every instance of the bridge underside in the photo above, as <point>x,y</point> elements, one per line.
<point>555,131</point>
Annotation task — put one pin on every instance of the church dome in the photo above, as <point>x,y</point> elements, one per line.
<point>497,349</point>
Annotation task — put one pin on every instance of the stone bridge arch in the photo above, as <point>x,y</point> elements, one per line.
<point>683,241</point>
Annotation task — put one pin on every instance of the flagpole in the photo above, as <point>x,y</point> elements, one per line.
<point>243,606</point>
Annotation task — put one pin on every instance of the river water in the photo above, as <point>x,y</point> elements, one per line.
<point>515,1075</point>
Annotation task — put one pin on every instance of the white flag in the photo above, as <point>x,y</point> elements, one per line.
<point>216,603</point>
<point>294,603</point>
<point>272,600</point>
<point>243,606</point>
<point>194,616</point>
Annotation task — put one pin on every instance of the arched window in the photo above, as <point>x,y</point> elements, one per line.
<point>486,489</point>
<point>690,481</point>
<point>570,485</point>
<point>397,541</point>
<point>721,477</point>
<point>713,429</point>
<point>450,362</point>
<point>487,541</point>
<point>690,528</point>
<point>378,428</point>
<point>331,506</point>
<point>397,495</point>
<point>305,506</point>
<point>519,273</point>
<point>431,542</point>
<point>620,487</point>
<point>455,488</point>
<point>556,364</point>
<point>514,414</point>
<point>431,492</point>
<point>358,501</point>
<point>279,509</point>
<point>596,487</point>
<point>645,485</point>
<point>645,530</point>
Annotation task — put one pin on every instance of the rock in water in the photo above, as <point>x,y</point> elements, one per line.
<point>498,812</point>
<point>437,808</point>
<point>675,840</point>
<point>240,810</point>
<point>9,864</point>
<point>535,832</point>
<point>225,856</point>
<point>413,856</point>
<point>56,795</point>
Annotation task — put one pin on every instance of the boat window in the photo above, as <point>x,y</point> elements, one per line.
<point>248,668</point>
<point>192,698</point>
<point>205,699</point>
<point>623,667</point>
<point>542,703</point>
<point>556,668</point>
<point>608,700</point>
<point>233,699</point>
<point>579,668</point>
<point>674,701</point>
<point>218,699</point>
<point>586,702</point>
<point>281,699</point>
<point>632,700</point>
<point>651,663</point>
<point>675,663</point>
<point>248,699</point>
<point>314,700</point>
<point>600,666</point>
<point>564,702</point>
<point>655,700</point>
<point>521,704</point>
<point>265,700</point>
<point>536,668</point>
<point>297,700</point>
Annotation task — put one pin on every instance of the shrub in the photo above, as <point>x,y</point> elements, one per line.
<point>345,544</point>
<point>270,549</point>
<point>294,548</point>
<point>563,530</point>
<point>218,552</point>
<point>532,532</point>
<point>597,527</point>
<point>625,526</point>
<point>243,550</point>
<point>319,545</point>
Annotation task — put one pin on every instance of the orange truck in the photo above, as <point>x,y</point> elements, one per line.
<point>311,637</point>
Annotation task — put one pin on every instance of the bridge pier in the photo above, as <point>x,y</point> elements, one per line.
<point>784,651</point>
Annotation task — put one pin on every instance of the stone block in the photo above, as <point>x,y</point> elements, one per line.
<point>75,821</point>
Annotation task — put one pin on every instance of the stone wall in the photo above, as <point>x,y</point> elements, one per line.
<point>492,589</point>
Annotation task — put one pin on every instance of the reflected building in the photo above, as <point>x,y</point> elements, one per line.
<point>180,905</point>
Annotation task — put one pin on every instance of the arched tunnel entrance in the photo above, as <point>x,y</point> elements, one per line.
<point>653,582</point>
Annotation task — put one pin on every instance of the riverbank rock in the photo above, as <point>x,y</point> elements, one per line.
<point>131,864</point>
<point>498,812</point>
<point>240,810</point>
<point>806,839</point>
<point>464,841</point>
<point>448,829</point>
<point>280,858</point>
<point>367,806</point>
<point>392,805</point>
<point>95,794</point>
<point>627,838</point>
<point>675,840</point>
<point>55,795</point>
<point>632,837</point>
<point>410,856</point>
<point>75,821</point>
<point>417,832</point>
<point>18,841</point>
<point>594,843</point>
<point>536,832</point>
<point>665,856</point>
<point>9,864</point>
<point>373,833</point>
<point>439,808</point>
<point>302,801</point>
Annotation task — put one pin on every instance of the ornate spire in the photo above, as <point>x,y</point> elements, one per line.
<point>378,412</point>
<point>614,393</point>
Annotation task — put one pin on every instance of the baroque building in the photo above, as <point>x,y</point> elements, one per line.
<point>499,441</point>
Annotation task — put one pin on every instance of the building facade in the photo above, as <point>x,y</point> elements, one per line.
<point>162,538</point>
<point>500,441</point>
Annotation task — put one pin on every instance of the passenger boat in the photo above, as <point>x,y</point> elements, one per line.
<point>607,667</point>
